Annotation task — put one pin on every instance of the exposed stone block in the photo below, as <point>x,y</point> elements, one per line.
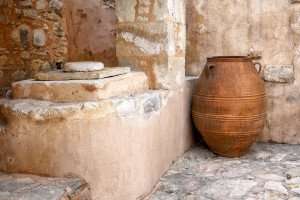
<point>30,13</point>
<point>25,3</point>
<point>21,35</point>
<point>60,75</point>
<point>279,73</point>
<point>39,37</point>
<point>57,5</point>
<point>81,90</point>
<point>41,4</point>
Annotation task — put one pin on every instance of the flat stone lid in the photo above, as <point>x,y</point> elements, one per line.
<point>63,76</point>
<point>86,66</point>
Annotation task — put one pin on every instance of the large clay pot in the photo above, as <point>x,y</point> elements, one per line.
<point>229,105</point>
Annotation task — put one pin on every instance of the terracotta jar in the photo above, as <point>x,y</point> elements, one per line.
<point>229,105</point>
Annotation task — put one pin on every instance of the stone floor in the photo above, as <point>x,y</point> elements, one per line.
<point>269,172</point>
<point>29,187</point>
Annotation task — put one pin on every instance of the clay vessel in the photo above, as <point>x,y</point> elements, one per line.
<point>229,105</point>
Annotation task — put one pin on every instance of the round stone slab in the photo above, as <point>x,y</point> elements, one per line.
<point>83,66</point>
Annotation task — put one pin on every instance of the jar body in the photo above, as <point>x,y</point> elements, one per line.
<point>229,105</point>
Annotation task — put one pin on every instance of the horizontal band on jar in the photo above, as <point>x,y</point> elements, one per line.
<point>217,98</point>
<point>233,133</point>
<point>229,117</point>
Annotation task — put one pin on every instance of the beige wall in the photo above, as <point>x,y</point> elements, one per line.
<point>91,27</point>
<point>265,28</point>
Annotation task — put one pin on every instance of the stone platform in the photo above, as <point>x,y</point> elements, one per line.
<point>121,146</point>
<point>81,90</point>
<point>29,187</point>
<point>268,172</point>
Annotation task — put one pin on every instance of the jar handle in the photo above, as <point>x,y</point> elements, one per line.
<point>260,66</point>
<point>209,68</point>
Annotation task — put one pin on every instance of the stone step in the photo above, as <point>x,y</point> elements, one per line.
<point>30,187</point>
<point>81,90</point>
<point>60,75</point>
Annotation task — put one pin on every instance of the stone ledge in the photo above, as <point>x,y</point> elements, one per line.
<point>140,104</point>
<point>29,187</point>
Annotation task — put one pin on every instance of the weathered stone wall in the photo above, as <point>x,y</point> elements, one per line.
<point>32,38</point>
<point>92,30</point>
<point>260,28</point>
<point>151,37</point>
<point>36,35</point>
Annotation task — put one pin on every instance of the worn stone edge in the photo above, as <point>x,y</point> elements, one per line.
<point>44,110</point>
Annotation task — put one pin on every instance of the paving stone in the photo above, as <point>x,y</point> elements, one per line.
<point>296,190</point>
<point>83,66</point>
<point>294,172</point>
<point>276,186</point>
<point>60,75</point>
<point>273,177</point>
<point>81,90</point>
<point>294,181</point>
<point>259,175</point>
<point>294,198</point>
<point>29,187</point>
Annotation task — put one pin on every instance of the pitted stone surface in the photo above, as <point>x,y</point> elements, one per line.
<point>269,171</point>
<point>280,74</point>
<point>60,75</point>
<point>28,187</point>
<point>83,66</point>
<point>142,105</point>
<point>81,90</point>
